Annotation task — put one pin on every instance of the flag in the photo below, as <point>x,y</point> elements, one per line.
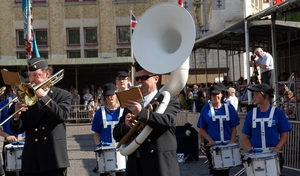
<point>133,22</point>
<point>277,2</point>
<point>180,3</point>
<point>31,48</point>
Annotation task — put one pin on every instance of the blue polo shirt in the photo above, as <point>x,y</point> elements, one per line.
<point>97,124</point>
<point>280,125</point>
<point>213,127</point>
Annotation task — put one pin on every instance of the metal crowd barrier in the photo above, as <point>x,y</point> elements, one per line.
<point>291,151</point>
<point>80,113</point>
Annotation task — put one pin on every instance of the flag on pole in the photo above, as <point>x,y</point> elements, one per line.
<point>31,48</point>
<point>133,22</point>
<point>180,3</point>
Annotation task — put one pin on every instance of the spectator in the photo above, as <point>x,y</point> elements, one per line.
<point>265,63</point>
<point>87,97</point>
<point>182,100</point>
<point>232,98</point>
<point>289,105</point>
<point>75,97</point>
<point>200,102</point>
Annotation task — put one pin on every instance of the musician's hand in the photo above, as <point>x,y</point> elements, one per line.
<point>11,139</point>
<point>129,118</point>
<point>134,107</point>
<point>211,143</point>
<point>275,150</point>
<point>20,105</point>
<point>40,93</point>
<point>231,141</point>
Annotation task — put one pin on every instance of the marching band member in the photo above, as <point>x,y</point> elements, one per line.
<point>209,125</point>
<point>9,136</point>
<point>267,117</point>
<point>122,81</point>
<point>110,111</point>
<point>157,154</point>
<point>45,150</point>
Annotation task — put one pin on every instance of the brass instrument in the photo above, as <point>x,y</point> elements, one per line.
<point>136,129</point>
<point>170,42</point>
<point>27,93</point>
<point>2,90</point>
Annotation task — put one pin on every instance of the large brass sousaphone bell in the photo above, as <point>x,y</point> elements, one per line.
<point>162,42</point>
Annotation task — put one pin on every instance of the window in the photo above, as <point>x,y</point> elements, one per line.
<point>129,1</point>
<point>41,37</point>
<point>33,1</point>
<point>21,55</point>
<point>124,52</point>
<point>91,36</point>
<point>73,36</point>
<point>74,54</point>
<point>20,38</point>
<point>123,34</point>
<point>44,54</point>
<point>79,0</point>
<point>91,53</point>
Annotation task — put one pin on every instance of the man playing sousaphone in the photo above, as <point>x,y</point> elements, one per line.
<point>157,154</point>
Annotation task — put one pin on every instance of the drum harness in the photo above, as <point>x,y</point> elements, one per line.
<point>105,124</point>
<point>111,123</point>
<point>262,126</point>
<point>221,118</point>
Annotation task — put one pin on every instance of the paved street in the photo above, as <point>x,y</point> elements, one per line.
<point>83,161</point>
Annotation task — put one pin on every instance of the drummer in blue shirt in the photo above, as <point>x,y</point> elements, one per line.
<point>274,120</point>
<point>209,125</point>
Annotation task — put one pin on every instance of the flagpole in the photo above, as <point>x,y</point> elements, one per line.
<point>131,51</point>
<point>131,34</point>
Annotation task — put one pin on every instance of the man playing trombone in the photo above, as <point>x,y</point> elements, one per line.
<point>45,149</point>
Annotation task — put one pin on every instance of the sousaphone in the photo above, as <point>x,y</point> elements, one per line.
<point>162,42</point>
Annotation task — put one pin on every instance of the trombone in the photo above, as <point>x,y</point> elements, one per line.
<point>2,90</point>
<point>27,93</point>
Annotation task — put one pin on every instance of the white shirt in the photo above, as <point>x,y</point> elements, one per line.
<point>149,97</point>
<point>234,101</point>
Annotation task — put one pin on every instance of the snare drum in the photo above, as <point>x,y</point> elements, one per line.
<point>262,164</point>
<point>13,155</point>
<point>109,159</point>
<point>226,156</point>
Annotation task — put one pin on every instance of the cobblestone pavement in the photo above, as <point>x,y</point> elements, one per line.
<point>83,161</point>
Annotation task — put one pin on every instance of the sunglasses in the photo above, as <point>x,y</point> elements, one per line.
<point>143,78</point>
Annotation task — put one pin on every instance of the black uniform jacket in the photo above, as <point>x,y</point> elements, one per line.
<point>45,146</point>
<point>157,153</point>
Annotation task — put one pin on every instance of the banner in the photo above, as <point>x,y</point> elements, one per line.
<point>31,48</point>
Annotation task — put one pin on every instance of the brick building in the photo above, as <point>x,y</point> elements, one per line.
<point>90,39</point>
